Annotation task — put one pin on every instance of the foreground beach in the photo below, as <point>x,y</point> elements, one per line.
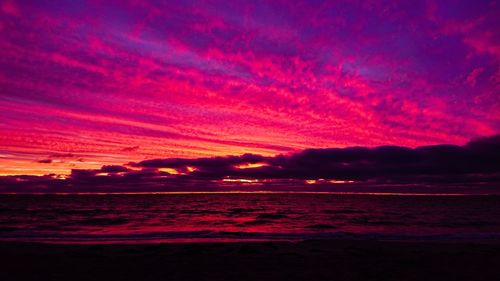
<point>308,260</point>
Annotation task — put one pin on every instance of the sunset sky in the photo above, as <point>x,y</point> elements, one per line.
<point>90,83</point>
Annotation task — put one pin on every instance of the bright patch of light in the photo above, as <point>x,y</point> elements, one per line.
<point>191,169</point>
<point>340,181</point>
<point>250,165</point>
<point>241,180</point>
<point>169,170</point>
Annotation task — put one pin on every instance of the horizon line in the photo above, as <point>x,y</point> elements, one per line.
<point>252,192</point>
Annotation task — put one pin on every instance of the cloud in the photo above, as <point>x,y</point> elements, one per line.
<point>202,163</point>
<point>113,169</point>
<point>62,155</point>
<point>45,161</point>
<point>130,148</point>
<point>383,163</point>
<point>9,7</point>
<point>471,79</point>
<point>475,164</point>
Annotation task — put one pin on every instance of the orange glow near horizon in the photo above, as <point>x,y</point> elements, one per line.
<point>170,171</point>
<point>328,181</point>
<point>241,180</point>
<point>191,169</point>
<point>250,165</point>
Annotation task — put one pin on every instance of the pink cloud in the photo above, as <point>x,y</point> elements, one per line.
<point>9,7</point>
<point>214,79</point>
<point>472,77</point>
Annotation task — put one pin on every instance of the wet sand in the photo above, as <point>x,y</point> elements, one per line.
<point>308,260</point>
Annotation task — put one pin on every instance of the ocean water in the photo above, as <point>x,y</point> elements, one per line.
<point>133,218</point>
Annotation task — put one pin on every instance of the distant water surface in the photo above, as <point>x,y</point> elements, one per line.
<point>245,216</point>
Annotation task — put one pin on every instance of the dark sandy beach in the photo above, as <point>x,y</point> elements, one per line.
<point>308,260</point>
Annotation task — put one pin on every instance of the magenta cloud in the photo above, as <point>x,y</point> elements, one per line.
<point>115,81</point>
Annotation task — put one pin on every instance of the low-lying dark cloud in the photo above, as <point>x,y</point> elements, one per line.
<point>475,164</point>
<point>215,163</point>
<point>479,157</point>
<point>113,169</point>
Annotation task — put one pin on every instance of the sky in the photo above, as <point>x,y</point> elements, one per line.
<point>87,84</point>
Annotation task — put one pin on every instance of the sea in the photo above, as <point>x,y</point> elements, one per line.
<point>232,217</point>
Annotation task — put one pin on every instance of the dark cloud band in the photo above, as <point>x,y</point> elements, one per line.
<point>476,163</point>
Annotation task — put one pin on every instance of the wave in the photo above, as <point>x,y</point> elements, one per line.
<point>238,236</point>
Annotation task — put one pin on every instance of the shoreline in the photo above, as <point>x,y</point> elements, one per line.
<point>337,259</point>
<point>212,236</point>
<point>134,241</point>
